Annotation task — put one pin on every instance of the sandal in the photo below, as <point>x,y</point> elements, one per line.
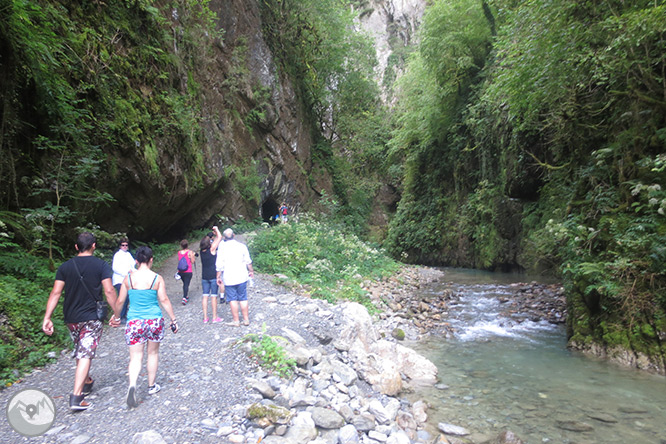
<point>233,324</point>
<point>87,387</point>
<point>78,403</point>
<point>246,323</point>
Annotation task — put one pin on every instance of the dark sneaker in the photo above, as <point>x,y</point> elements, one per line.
<point>87,388</point>
<point>78,403</point>
<point>131,397</point>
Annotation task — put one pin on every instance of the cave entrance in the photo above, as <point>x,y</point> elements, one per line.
<point>269,209</point>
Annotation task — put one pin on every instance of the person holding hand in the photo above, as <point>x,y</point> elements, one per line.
<point>145,322</point>
<point>83,278</point>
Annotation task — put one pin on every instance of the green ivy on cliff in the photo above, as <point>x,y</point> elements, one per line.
<point>533,136</point>
<point>84,81</point>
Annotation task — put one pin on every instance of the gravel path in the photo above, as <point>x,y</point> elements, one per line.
<point>201,374</point>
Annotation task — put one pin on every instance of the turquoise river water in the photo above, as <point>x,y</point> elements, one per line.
<point>497,374</point>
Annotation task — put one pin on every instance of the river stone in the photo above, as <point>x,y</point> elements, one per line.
<point>287,299</point>
<point>346,374</point>
<point>208,424</point>
<point>299,354</point>
<point>293,336</point>
<point>398,333</point>
<point>632,410</point>
<point>348,435</point>
<point>327,418</point>
<point>392,407</point>
<point>377,409</point>
<point>419,412</point>
<point>347,412</point>
<point>302,434</point>
<point>225,430</point>
<point>323,336</point>
<point>573,426</point>
<point>603,417</point>
<point>377,436</point>
<point>399,437</point>
<point>357,326</point>
<point>507,437</point>
<point>264,389</point>
<point>81,439</point>
<point>450,429</point>
<point>364,422</point>
<point>148,437</point>
<point>405,420</point>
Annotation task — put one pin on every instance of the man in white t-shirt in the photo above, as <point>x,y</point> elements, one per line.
<point>123,263</point>
<point>234,270</point>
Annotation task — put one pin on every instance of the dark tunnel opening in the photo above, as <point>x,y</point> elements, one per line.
<point>269,209</point>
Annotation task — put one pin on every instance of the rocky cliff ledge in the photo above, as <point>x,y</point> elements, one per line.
<point>256,147</point>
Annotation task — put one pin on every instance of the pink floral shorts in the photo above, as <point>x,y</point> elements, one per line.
<point>138,331</point>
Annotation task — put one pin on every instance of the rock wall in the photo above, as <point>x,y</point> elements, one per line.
<point>393,25</point>
<point>254,131</point>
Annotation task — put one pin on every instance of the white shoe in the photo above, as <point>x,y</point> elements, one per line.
<point>154,389</point>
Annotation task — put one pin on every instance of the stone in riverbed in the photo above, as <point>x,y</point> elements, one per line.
<point>603,417</point>
<point>264,388</point>
<point>348,435</point>
<point>573,426</point>
<point>364,422</point>
<point>377,409</point>
<point>148,437</point>
<point>508,437</point>
<point>450,429</point>
<point>632,410</point>
<point>327,418</point>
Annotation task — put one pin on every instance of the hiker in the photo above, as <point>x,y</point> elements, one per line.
<point>185,261</point>
<point>284,211</point>
<point>123,262</point>
<point>234,269</point>
<point>146,291</point>
<point>208,253</point>
<point>82,278</point>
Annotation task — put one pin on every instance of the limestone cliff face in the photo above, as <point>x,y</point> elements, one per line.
<point>255,133</point>
<point>393,25</point>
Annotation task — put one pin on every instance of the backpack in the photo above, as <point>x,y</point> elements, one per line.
<point>182,263</point>
<point>284,210</point>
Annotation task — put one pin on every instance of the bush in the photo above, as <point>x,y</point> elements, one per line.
<point>331,263</point>
<point>24,345</point>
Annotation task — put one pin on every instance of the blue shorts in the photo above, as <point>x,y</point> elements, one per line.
<point>209,287</point>
<point>236,292</point>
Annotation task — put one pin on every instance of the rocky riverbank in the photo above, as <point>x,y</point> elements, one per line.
<point>346,389</point>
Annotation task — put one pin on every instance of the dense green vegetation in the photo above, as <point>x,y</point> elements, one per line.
<point>322,256</point>
<point>533,136</point>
